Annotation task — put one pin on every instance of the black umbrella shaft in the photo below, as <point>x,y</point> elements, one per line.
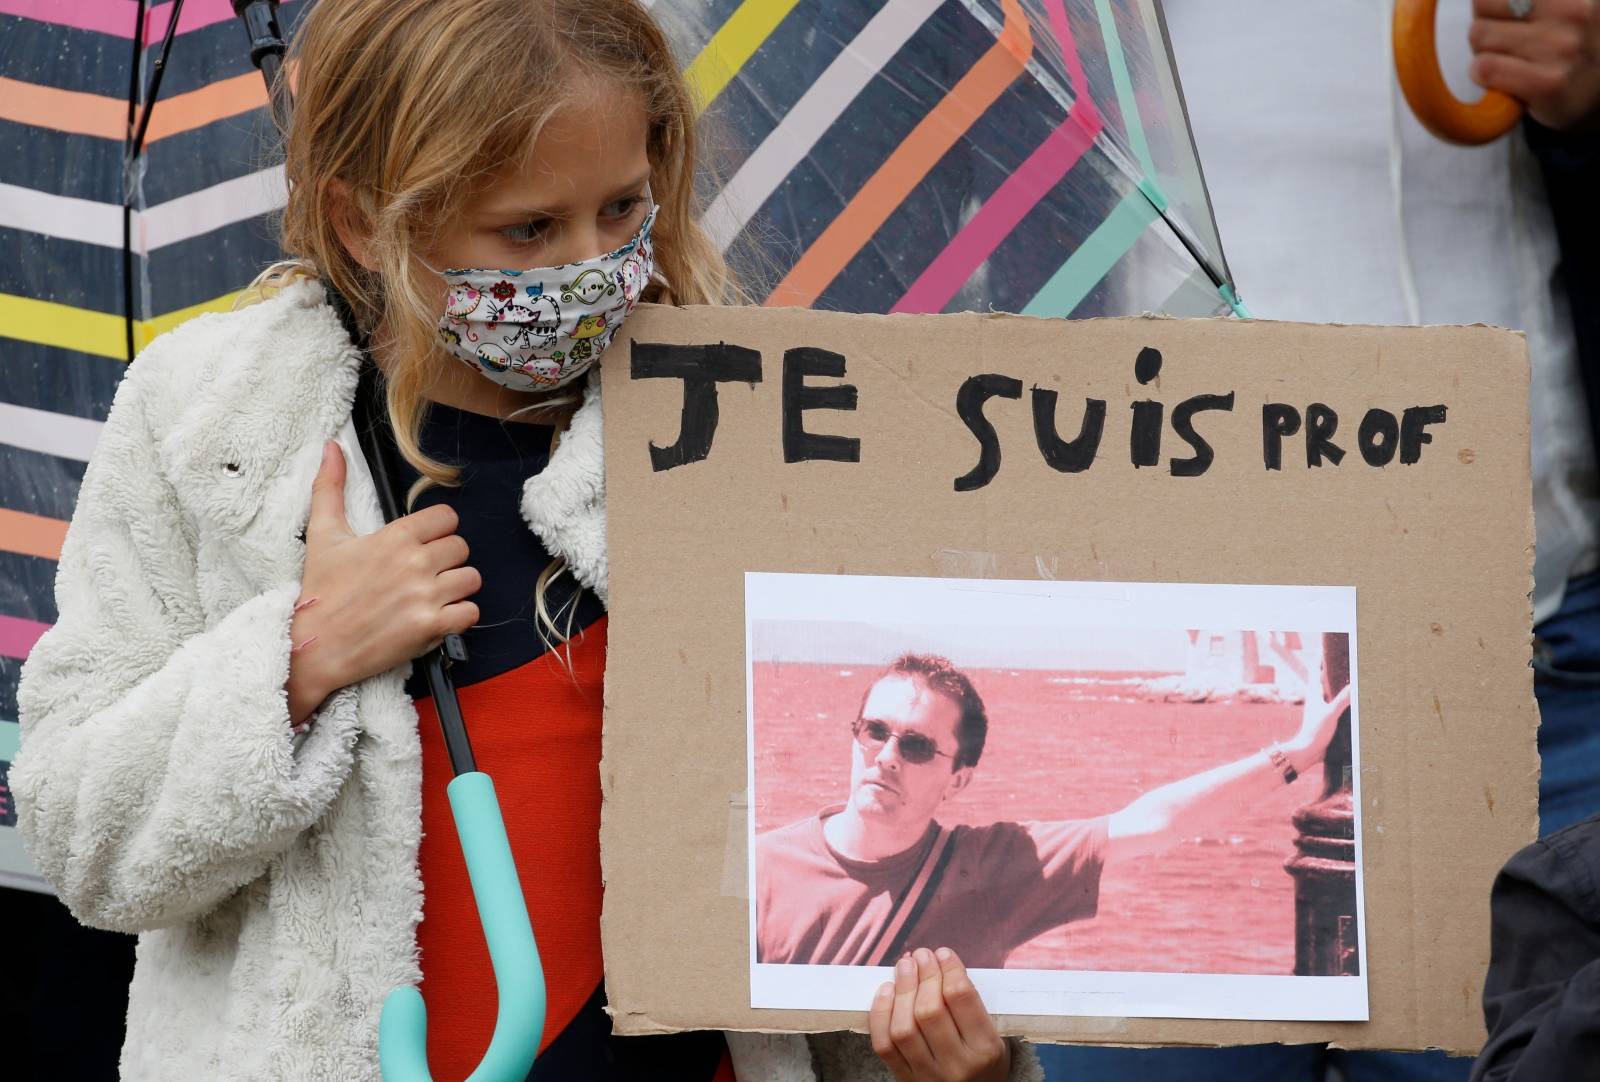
<point>277,88</point>
<point>157,71</point>
<point>138,126</point>
<point>261,23</point>
<point>127,195</point>
<point>266,52</point>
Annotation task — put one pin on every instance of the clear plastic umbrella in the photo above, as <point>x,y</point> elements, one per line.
<point>940,155</point>
<point>873,155</point>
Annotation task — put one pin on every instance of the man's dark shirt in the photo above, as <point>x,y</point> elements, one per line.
<point>1541,1000</point>
<point>995,887</point>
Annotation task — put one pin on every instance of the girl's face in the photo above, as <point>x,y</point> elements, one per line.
<point>579,193</point>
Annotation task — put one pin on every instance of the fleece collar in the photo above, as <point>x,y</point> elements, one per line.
<point>565,503</point>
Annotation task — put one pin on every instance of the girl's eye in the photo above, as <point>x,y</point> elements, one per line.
<point>527,232</point>
<point>622,207</point>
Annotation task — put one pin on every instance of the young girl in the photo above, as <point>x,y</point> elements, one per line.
<point>219,749</point>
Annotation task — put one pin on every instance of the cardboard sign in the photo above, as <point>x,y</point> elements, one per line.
<point>1134,559</point>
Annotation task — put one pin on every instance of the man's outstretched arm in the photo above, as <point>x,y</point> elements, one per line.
<point>1159,818</point>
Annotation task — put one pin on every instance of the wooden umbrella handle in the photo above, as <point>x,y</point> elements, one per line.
<point>1416,62</point>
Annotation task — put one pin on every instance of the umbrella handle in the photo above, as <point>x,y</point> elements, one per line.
<point>519,979</point>
<point>1416,62</point>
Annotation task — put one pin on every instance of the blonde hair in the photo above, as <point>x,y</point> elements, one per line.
<point>411,105</point>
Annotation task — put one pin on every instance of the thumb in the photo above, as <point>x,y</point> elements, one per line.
<point>327,520</point>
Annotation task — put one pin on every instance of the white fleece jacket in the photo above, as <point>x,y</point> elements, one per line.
<point>274,887</point>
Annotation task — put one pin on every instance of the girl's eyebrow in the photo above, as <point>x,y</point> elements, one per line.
<point>518,213</point>
<point>633,187</point>
<point>523,213</point>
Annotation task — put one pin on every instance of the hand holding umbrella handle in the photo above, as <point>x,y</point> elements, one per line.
<point>519,979</point>
<point>402,1025</point>
<point>1416,62</point>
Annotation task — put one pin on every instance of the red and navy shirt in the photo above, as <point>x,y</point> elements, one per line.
<point>533,709</point>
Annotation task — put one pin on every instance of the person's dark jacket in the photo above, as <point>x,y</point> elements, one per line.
<point>1541,1000</point>
<point>1570,164</point>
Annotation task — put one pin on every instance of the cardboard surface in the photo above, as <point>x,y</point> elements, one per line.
<point>1439,550</point>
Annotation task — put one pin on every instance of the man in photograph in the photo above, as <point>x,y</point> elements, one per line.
<point>862,883</point>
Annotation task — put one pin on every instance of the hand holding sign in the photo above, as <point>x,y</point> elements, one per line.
<point>930,1025</point>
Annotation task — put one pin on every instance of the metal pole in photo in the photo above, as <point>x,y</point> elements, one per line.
<point>1324,863</point>
<point>502,910</point>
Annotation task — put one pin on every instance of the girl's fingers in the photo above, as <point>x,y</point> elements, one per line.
<point>457,618</point>
<point>903,1029</point>
<point>931,1014</point>
<point>446,552</point>
<point>966,1007</point>
<point>458,583</point>
<point>878,1029</point>
<point>429,524</point>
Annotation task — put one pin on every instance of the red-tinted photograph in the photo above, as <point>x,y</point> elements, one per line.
<point>1054,777</point>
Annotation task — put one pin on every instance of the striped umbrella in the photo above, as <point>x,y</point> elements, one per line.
<point>873,155</point>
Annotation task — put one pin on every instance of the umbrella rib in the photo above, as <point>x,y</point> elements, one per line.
<point>127,194</point>
<point>131,182</point>
<point>159,70</point>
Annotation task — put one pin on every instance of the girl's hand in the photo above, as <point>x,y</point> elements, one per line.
<point>369,603</point>
<point>1550,60</point>
<point>930,1024</point>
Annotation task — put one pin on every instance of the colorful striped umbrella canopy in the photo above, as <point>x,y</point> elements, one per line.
<point>870,155</point>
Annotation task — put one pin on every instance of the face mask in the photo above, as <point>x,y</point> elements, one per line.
<point>539,329</point>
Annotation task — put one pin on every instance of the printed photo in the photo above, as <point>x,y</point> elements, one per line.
<point>1128,799</point>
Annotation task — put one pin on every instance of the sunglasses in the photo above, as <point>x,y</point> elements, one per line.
<point>915,748</point>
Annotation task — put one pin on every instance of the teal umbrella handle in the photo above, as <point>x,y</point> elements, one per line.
<point>518,977</point>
